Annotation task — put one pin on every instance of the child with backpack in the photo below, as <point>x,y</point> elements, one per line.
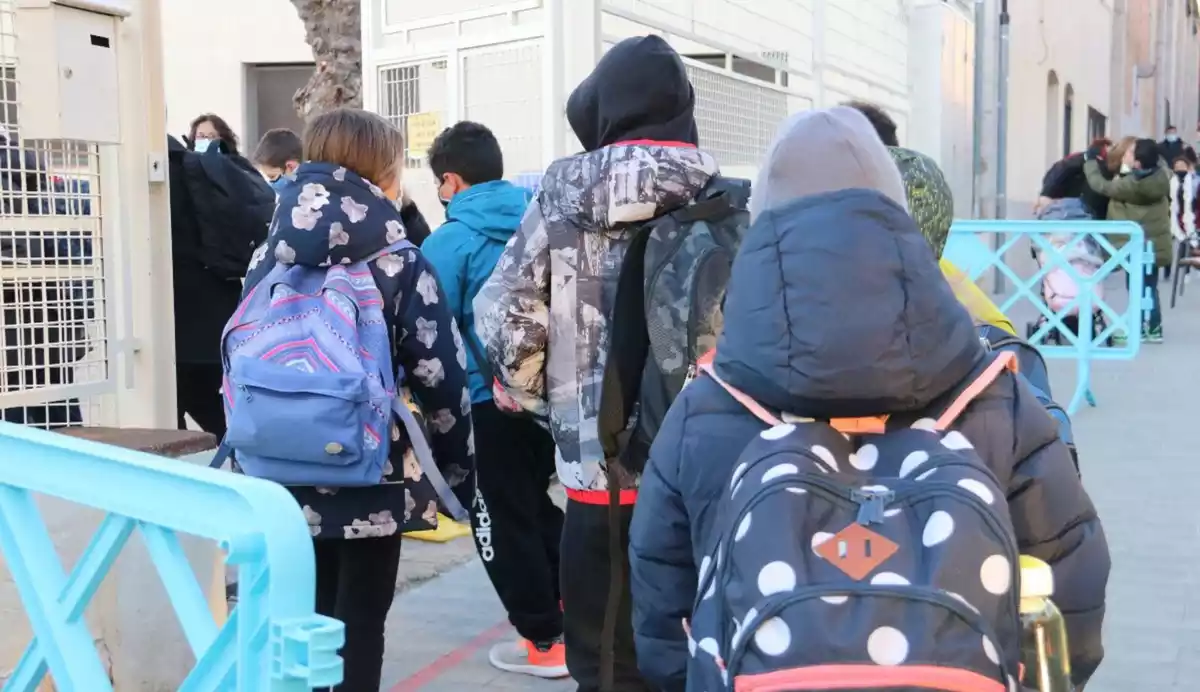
<point>516,525</point>
<point>341,326</point>
<point>842,494</point>
<point>550,317</point>
<point>277,157</point>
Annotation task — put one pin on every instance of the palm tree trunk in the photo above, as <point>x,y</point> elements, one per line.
<point>334,30</point>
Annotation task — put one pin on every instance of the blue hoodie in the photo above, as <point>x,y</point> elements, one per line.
<point>465,250</point>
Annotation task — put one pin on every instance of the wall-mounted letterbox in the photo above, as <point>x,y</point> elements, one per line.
<point>66,66</point>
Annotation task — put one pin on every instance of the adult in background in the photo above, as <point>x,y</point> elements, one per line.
<point>220,209</point>
<point>1139,194</point>
<point>1171,147</point>
<point>1065,181</point>
<point>209,129</point>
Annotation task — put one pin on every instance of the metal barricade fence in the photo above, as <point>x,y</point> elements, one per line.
<point>272,642</point>
<point>1082,326</point>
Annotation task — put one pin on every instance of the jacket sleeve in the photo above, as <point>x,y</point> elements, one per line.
<point>512,313</point>
<point>1122,188</point>
<point>434,360</point>
<point>1056,522</point>
<point>663,576</point>
<point>416,228</point>
<point>443,254</point>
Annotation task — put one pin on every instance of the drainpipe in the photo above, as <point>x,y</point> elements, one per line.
<point>1002,116</point>
<point>977,149</point>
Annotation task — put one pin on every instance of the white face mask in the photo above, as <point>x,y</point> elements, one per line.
<point>1126,169</point>
<point>202,145</point>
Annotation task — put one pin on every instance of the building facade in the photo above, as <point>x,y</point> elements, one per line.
<point>1079,70</point>
<point>511,64</point>
<point>240,59</point>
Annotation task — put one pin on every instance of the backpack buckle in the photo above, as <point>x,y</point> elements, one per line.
<point>871,505</point>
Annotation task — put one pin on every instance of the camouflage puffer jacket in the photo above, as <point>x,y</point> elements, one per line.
<point>544,314</point>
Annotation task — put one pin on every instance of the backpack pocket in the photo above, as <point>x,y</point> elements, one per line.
<point>269,399</point>
<point>881,637</point>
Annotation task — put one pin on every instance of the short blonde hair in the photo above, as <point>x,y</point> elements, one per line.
<point>359,140</point>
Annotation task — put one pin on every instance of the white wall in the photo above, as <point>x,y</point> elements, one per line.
<point>1074,40</point>
<point>208,44</point>
<point>941,77</point>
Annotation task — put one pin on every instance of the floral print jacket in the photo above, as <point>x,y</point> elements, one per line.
<point>331,215</point>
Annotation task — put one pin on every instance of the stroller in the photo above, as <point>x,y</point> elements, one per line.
<point>1059,288</point>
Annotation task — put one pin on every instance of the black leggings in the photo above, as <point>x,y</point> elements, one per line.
<point>356,581</point>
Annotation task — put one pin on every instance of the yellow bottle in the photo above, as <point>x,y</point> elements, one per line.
<point>1044,653</point>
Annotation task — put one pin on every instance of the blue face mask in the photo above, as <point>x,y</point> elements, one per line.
<point>1172,138</point>
<point>280,183</point>
<point>202,145</point>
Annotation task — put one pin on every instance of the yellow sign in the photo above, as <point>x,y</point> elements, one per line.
<point>422,129</point>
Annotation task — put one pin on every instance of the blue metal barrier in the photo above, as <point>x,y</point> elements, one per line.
<point>977,246</point>
<point>273,640</point>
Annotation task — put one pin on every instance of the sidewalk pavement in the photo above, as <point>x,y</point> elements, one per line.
<point>1137,461</point>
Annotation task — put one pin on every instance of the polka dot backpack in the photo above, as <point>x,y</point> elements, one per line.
<point>864,554</point>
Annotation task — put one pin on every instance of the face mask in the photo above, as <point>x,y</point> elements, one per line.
<point>1172,138</point>
<point>281,182</point>
<point>202,145</point>
<point>1126,169</point>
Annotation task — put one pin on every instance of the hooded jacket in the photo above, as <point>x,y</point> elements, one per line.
<point>836,308</point>
<point>931,204</point>
<point>544,314</point>
<point>479,223</point>
<point>332,216</point>
<point>1141,197</point>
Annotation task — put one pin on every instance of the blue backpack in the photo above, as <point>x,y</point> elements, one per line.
<point>309,388</point>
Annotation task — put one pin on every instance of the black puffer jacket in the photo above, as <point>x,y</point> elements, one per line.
<point>836,308</point>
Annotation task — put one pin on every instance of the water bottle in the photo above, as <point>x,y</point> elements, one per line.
<point>1045,657</point>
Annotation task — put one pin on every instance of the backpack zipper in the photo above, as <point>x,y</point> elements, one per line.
<point>874,503</point>
<point>776,604</point>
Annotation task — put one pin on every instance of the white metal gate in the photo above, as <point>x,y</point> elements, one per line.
<point>74,252</point>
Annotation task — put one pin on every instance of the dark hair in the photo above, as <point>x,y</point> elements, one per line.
<point>468,149</point>
<point>224,131</point>
<point>277,147</point>
<point>359,140</point>
<point>880,120</point>
<point>1146,152</point>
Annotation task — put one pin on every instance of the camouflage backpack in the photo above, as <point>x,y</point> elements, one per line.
<point>667,313</point>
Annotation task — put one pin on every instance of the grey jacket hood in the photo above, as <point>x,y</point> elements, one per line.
<point>836,306</point>
<point>825,151</point>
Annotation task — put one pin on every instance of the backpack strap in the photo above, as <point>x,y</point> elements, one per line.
<point>1004,360</point>
<point>420,448</point>
<point>387,250</point>
<point>742,398</point>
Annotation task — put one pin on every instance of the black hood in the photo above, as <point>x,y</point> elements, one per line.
<point>836,308</point>
<point>638,91</point>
